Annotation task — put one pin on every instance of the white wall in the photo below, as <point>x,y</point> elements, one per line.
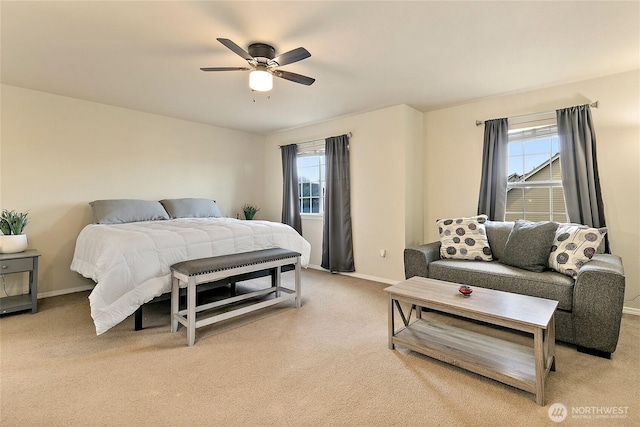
<point>58,154</point>
<point>381,142</point>
<point>453,154</point>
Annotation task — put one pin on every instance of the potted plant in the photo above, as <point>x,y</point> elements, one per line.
<point>249,211</point>
<point>12,225</point>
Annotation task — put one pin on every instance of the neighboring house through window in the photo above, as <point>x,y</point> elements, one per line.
<point>311,184</point>
<point>534,187</point>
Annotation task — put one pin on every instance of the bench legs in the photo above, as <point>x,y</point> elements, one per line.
<point>188,317</point>
<point>191,311</point>
<point>175,302</point>
<point>277,284</point>
<point>298,287</point>
<point>191,308</point>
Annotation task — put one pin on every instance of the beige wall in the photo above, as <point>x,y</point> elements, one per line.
<point>408,169</point>
<point>453,154</point>
<point>59,153</point>
<point>386,186</point>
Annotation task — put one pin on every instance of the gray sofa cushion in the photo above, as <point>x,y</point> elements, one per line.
<point>529,244</point>
<point>494,275</point>
<point>498,233</point>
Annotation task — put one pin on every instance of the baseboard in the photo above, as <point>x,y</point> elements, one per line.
<point>64,291</point>
<point>360,276</point>
<point>626,310</point>
<point>314,267</point>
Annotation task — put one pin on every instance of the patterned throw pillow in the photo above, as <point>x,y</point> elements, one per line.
<point>464,238</point>
<point>573,246</point>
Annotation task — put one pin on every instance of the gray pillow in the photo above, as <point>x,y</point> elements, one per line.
<point>120,211</point>
<point>498,234</point>
<point>529,245</point>
<point>191,208</point>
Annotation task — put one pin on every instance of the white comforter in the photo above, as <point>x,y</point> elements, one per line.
<point>130,263</point>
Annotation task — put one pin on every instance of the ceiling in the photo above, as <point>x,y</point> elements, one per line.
<point>146,55</point>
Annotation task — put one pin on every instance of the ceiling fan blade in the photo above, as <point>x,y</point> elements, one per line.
<point>292,56</point>
<point>297,78</point>
<point>225,69</point>
<point>235,49</point>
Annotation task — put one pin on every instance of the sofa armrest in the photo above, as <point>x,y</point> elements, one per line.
<point>417,259</point>
<point>598,298</point>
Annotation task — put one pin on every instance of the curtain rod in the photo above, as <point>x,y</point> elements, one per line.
<point>313,141</point>
<point>481,122</point>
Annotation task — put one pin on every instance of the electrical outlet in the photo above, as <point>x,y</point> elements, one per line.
<point>383,254</point>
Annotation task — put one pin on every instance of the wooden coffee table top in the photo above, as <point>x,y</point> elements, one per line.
<point>483,304</point>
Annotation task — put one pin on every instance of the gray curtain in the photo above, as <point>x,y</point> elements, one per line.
<point>493,183</point>
<point>337,243</point>
<point>580,168</point>
<point>290,195</point>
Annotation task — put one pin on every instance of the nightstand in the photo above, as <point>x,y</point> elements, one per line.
<point>20,262</point>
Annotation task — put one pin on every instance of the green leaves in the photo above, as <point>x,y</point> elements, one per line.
<point>249,211</point>
<point>12,222</point>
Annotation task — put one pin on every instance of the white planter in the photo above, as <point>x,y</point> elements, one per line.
<point>13,243</point>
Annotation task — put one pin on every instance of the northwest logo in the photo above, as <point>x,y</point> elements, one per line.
<point>557,412</point>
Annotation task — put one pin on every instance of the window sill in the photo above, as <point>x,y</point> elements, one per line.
<point>314,217</point>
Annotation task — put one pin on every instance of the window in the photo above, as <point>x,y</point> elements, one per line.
<point>534,187</point>
<point>311,185</point>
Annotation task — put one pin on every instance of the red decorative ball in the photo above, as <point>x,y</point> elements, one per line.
<point>465,290</point>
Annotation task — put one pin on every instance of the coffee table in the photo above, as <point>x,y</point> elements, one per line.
<point>511,363</point>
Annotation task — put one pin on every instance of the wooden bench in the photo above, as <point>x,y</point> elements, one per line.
<point>203,289</point>
<point>190,274</point>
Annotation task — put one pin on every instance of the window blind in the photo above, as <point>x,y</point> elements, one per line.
<point>311,147</point>
<point>533,133</point>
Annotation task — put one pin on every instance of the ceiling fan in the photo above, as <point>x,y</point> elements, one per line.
<point>263,64</point>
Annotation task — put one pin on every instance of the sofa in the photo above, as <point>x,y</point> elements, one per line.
<point>590,300</point>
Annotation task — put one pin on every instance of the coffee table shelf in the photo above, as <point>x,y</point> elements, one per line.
<point>501,360</point>
<point>517,365</point>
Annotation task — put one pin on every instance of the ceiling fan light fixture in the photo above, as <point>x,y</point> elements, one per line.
<point>260,80</point>
<point>263,64</point>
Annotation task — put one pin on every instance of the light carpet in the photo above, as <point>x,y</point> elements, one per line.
<point>325,364</point>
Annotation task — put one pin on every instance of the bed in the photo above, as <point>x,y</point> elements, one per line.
<point>129,249</point>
